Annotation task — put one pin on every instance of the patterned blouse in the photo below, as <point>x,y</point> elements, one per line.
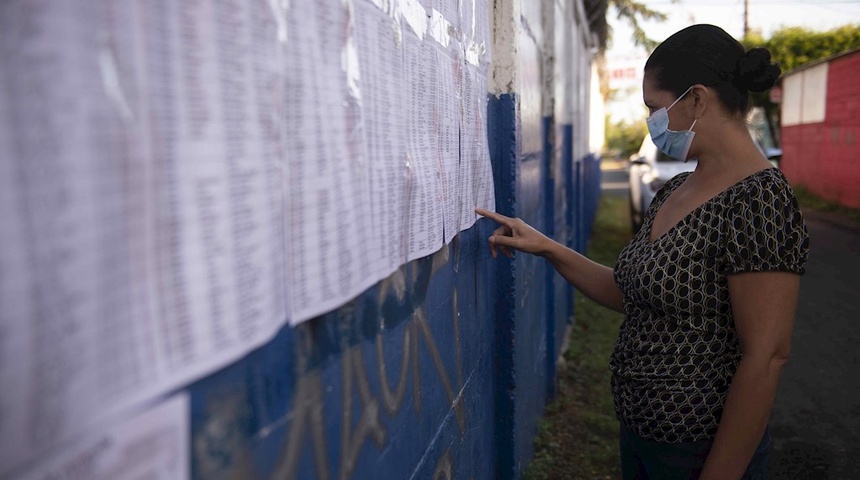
<point>677,349</point>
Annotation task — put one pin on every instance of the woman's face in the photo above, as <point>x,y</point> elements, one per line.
<point>655,99</point>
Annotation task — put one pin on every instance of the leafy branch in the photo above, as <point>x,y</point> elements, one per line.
<point>633,13</point>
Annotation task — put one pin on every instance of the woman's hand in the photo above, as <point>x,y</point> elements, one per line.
<point>514,234</point>
<point>596,281</point>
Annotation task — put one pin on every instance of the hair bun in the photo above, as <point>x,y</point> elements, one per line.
<point>756,72</point>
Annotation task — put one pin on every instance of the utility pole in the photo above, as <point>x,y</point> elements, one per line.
<point>746,18</point>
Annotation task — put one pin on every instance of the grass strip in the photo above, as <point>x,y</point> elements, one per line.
<point>809,200</point>
<point>578,434</point>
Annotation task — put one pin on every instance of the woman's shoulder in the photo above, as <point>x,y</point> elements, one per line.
<point>764,227</point>
<point>768,185</point>
<point>767,178</point>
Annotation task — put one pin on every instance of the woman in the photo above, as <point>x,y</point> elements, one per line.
<point>709,284</point>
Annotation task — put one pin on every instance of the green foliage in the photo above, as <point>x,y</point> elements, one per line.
<point>793,47</point>
<point>624,139</point>
<point>810,201</point>
<point>632,12</point>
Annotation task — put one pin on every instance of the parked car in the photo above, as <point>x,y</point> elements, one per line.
<point>649,170</point>
<point>761,133</point>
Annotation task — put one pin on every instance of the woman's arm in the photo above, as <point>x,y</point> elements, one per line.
<point>596,281</point>
<point>763,305</point>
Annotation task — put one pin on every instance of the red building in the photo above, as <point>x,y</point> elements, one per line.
<point>821,128</point>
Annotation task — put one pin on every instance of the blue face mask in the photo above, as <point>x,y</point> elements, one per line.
<point>672,143</point>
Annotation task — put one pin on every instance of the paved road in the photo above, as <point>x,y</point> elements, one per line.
<point>615,180</point>
<point>816,418</point>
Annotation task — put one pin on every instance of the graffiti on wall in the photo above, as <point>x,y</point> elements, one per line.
<point>374,387</point>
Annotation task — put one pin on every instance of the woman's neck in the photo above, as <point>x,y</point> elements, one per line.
<point>730,152</point>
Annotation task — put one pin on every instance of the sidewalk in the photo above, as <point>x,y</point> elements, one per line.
<point>613,164</point>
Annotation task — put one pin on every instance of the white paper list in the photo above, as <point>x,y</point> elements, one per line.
<point>447,110</point>
<point>219,229</point>
<point>143,216</point>
<point>426,212</point>
<point>329,223</point>
<point>383,97</point>
<point>475,167</point>
<point>49,282</point>
<point>153,445</point>
<point>181,178</point>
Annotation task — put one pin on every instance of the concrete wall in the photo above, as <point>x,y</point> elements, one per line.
<point>546,176</point>
<point>397,384</point>
<point>442,369</point>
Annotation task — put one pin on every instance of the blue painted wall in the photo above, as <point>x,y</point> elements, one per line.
<point>439,371</point>
<point>398,383</point>
<point>442,369</point>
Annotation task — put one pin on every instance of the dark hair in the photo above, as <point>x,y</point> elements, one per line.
<point>706,54</point>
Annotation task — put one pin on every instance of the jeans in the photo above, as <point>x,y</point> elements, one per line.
<point>643,459</point>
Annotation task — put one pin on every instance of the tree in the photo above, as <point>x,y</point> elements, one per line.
<point>793,47</point>
<point>624,139</point>
<point>631,11</point>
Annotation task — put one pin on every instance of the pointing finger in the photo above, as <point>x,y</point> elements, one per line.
<point>494,216</point>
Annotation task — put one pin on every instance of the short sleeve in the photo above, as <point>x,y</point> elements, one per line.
<point>765,230</point>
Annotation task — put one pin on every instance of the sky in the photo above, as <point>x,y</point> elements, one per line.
<point>765,16</point>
